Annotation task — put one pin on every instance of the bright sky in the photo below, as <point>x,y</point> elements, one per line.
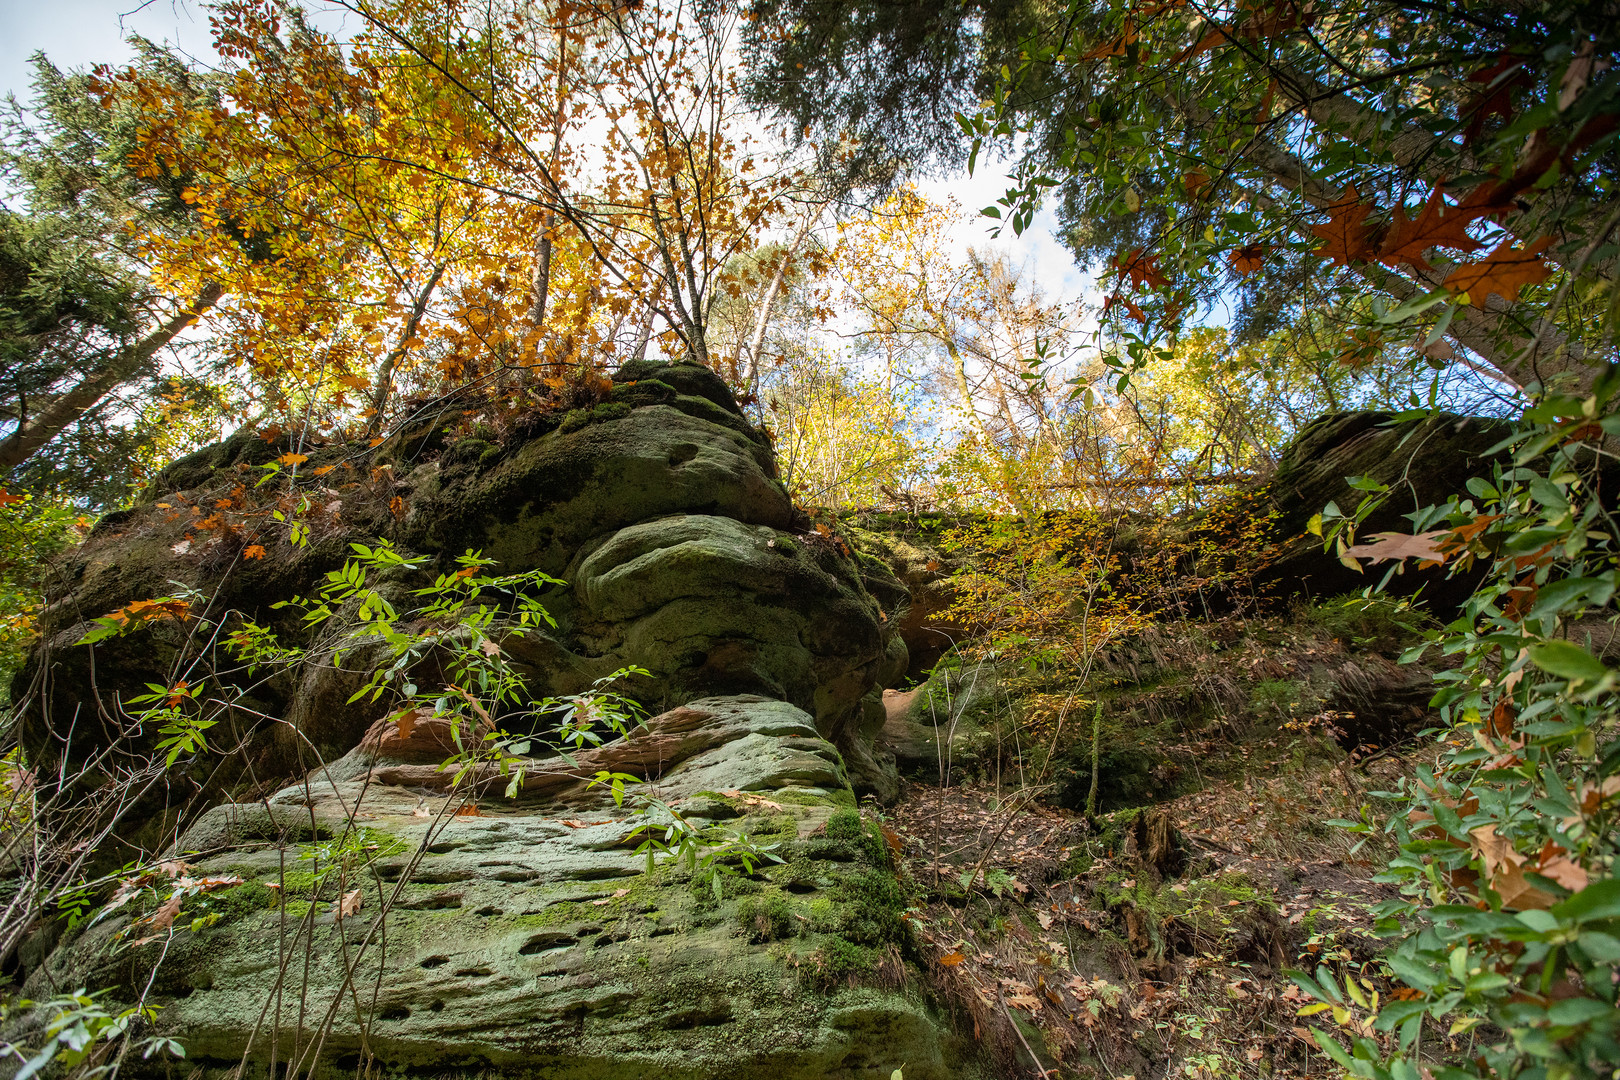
<point>82,33</point>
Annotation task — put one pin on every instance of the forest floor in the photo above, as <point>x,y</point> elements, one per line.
<point>1150,943</point>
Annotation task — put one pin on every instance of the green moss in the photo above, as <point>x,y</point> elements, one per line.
<point>767,827</point>
<point>871,905</point>
<point>845,838</point>
<point>837,963</point>
<point>841,797</point>
<point>234,903</point>
<point>823,915</point>
<point>844,825</point>
<point>766,916</point>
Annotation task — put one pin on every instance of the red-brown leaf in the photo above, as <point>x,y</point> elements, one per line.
<point>1409,238</point>
<point>1250,259</point>
<point>1504,272</point>
<point>1346,234</point>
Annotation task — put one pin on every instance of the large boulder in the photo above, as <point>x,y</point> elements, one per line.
<point>658,507</point>
<point>1424,462</point>
<point>531,938</point>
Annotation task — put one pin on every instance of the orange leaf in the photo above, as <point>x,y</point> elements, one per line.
<point>1409,238</point>
<point>1347,235</point>
<point>1250,259</point>
<point>1204,44</point>
<point>1141,268</point>
<point>405,722</point>
<point>293,459</point>
<point>253,551</point>
<point>1497,82</point>
<point>1194,180</point>
<point>1364,347</point>
<point>1274,20</point>
<point>1115,46</point>
<point>951,959</point>
<point>1504,272</point>
<point>161,919</point>
<point>1565,872</point>
<point>324,469</point>
<point>7,498</point>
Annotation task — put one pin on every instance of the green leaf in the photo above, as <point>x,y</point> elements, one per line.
<point>1600,948</point>
<point>1599,900</point>
<point>1577,1011</point>
<point>1569,661</point>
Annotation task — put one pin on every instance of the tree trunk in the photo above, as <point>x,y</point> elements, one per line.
<point>383,381</point>
<point>64,410</point>
<point>1096,748</point>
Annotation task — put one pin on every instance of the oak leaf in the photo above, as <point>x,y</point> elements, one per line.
<point>1564,871</point>
<point>1504,272</point>
<point>253,551</point>
<point>161,919</point>
<point>1409,238</point>
<point>1497,82</point>
<point>1347,236</point>
<point>1518,894</point>
<point>1249,259</point>
<point>1141,268</point>
<point>952,959</point>
<point>1393,545</point>
<point>348,904</point>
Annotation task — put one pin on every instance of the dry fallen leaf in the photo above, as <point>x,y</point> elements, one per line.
<point>161,919</point>
<point>1564,871</point>
<point>348,904</point>
<point>421,811</point>
<point>1391,545</point>
<point>951,959</point>
<point>609,899</point>
<point>405,722</point>
<point>221,881</point>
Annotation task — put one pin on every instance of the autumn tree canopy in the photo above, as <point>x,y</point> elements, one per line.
<point>1452,160</point>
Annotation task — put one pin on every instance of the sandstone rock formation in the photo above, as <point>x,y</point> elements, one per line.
<point>371,910</point>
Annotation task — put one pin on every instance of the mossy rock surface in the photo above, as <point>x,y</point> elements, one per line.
<point>532,940</point>
<point>659,505</point>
